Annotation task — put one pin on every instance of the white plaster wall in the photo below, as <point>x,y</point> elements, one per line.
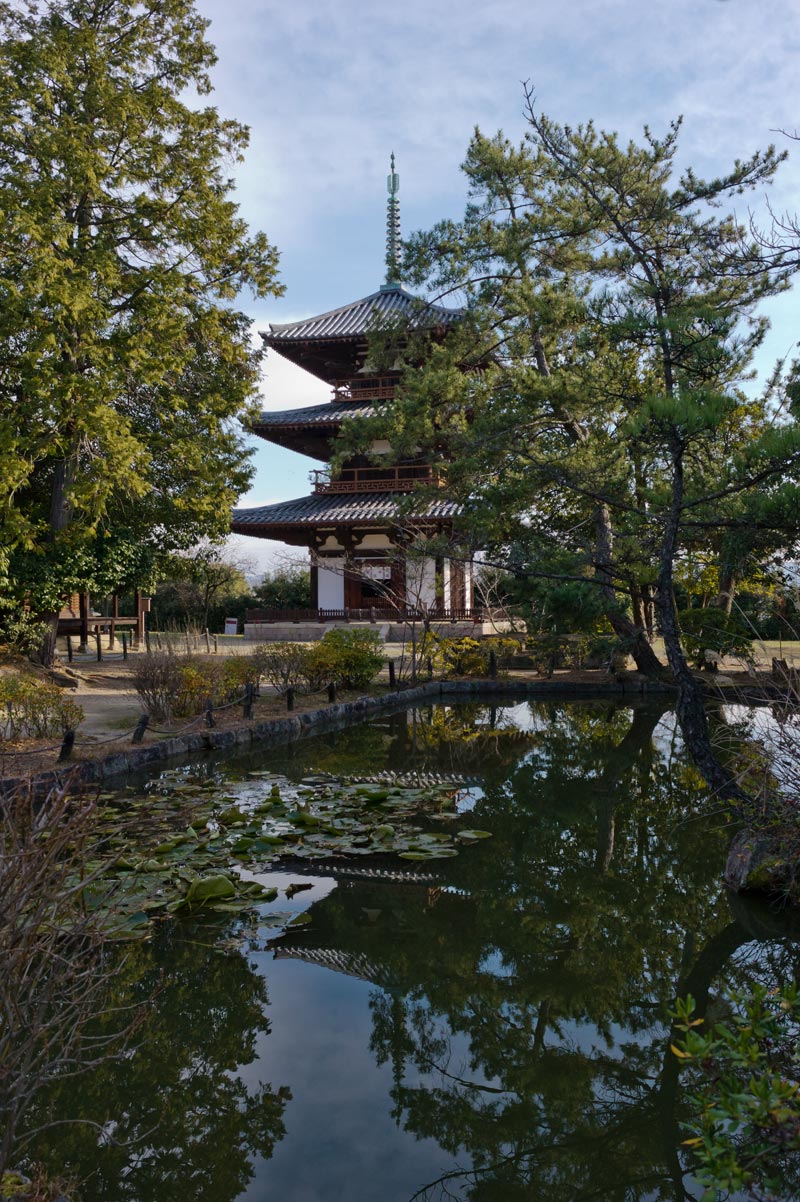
<point>380,446</point>
<point>421,581</point>
<point>331,544</point>
<point>374,542</point>
<point>468,593</point>
<point>446,583</point>
<point>330,585</point>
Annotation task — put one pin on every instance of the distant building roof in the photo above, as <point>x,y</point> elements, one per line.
<point>391,303</point>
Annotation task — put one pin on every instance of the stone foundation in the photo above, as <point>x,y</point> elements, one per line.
<point>390,632</point>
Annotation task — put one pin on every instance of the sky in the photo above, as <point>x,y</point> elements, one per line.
<point>329,89</point>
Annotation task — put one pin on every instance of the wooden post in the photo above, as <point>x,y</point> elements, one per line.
<point>83,603</point>
<point>208,643</point>
<point>493,664</point>
<point>216,645</point>
<point>209,712</point>
<point>99,642</point>
<point>158,640</point>
<point>332,692</point>
<point>188,644</point>
<point>392,675</point>
<point>290,699</point>
<point>141,726</point>
<point>112,630</point>
<point>430,668</point>
<point>67,745</point>
<point>247,705</point>
<point>124,638</point>
<point>69,648</point>
<point>147,641</point>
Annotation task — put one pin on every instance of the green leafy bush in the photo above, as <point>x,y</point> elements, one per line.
<point>471,657</point>
<point>713,630</point>
<point>31,708</point>
<point>746,1100</point>
<point>350,658</point>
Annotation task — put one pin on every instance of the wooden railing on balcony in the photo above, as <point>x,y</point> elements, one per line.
<point>380,388</point>
<point>397,478</point>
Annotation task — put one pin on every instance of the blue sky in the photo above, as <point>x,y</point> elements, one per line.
<point>329,89</point>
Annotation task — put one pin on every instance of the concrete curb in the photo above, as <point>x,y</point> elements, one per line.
<point>286,730</point>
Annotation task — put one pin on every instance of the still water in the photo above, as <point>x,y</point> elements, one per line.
<point>491,1027</point>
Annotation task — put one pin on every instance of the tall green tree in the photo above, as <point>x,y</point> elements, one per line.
<point>123,361</point>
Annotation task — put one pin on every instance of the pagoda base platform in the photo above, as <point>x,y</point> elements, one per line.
<point>390,630</point>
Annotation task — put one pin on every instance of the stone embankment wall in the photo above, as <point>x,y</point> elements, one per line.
<point>285,730</point>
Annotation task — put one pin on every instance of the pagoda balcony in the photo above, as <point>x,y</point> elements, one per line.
<point>397,478</point>
<point>377,388</point>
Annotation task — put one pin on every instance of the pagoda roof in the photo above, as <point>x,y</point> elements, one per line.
<point>331,413</point>
<point>336,509</point>
<point>330,345</point>
<point>391,303</point>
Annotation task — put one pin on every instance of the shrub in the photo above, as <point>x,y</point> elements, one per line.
<point>238,671</point>
<point>285,665</point>
<point>713,630</point>
<point>350,658</point>
<point>471,657</point>
<point>158,679</point>
<point>35,709</point>
<point>745,1126</point>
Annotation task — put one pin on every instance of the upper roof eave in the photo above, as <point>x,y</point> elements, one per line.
<point>359,318</point>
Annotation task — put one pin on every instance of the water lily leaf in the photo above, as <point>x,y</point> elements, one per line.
<point>300,920</point>
<point>209,888</point>
<point>470,835</point>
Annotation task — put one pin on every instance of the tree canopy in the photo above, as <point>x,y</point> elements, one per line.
<point>123,359</point>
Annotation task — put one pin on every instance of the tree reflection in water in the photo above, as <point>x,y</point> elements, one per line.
<point>524,1006</point>
<point>180,1122</point>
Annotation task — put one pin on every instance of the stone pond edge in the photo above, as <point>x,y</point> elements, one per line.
<point>286,730</point>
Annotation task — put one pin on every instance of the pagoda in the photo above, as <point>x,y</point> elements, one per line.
<point>366,540</point>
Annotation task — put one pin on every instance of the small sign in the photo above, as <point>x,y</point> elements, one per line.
<point>231,625</point>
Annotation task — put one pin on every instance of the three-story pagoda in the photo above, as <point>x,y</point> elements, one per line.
<point>367,543</point>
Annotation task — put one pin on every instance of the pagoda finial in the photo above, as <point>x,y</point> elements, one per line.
<point>393,251</point>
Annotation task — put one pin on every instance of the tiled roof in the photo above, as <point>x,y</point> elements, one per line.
<point>326,508</point>
<point>329,414</point>
<point>363,317</point>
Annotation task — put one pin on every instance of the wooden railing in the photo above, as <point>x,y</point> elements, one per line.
<point>380,611</point>
<point>381,388</point>
<point>400,478</point>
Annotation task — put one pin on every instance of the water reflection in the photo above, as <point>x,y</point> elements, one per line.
<point>176,1120</point>
<point>517,995</point>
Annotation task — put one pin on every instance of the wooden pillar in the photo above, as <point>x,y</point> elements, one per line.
<point>83,611</point>
<point>439,599</point>
<point>314,586</point>
<point>137,605</point>
<point>114,615</point>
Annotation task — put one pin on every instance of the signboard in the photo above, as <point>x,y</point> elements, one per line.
<point>231,625</point>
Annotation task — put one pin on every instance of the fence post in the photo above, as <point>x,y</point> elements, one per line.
<point>216,645</point>
<point>141,727</point>
<point>247,706</point>
<point>66,746</point>
<point>158,640</point>
<point>392,675</point>
<point>98,641</point>
<point>209,712</point>
<point>208,643</point>
<point>290,699</point>
<point>69,648</point>
<point>147,641</point>
<point>124,638</point>
<point>332,692</point>
<point>430,668</point>
<point>493,664</point>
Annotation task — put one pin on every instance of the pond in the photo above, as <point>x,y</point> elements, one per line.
<point>489,1026</point>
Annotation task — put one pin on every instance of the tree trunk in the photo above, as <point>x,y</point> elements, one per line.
<point>631,634</point>
<point>727,588</point>
<point>690,707</point>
